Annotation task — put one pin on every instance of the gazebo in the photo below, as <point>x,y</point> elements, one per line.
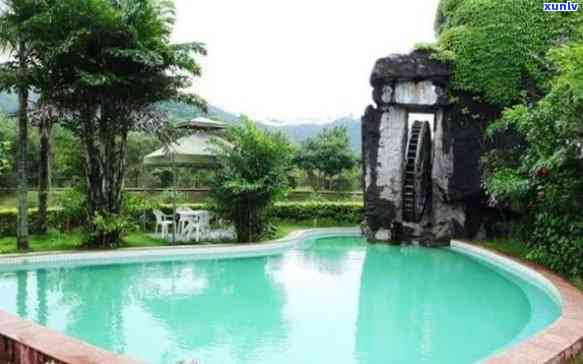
<point>194,151</point>
<point>190,151</point>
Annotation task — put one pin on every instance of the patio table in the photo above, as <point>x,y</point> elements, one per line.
<point>191,217</point>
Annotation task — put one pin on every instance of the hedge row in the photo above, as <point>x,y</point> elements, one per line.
<point>345,212</point>
<point>8,220</point>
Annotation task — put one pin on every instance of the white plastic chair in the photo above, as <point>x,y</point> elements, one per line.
<point>192,227</point>
<point>205,222</point>
<point>163,221</point>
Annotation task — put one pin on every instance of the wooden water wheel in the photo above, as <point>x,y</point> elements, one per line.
<point>417,179</point>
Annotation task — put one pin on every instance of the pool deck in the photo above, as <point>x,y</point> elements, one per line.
<point>23,341</point>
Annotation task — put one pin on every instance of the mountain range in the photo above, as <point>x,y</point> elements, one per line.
<point>296,130</point>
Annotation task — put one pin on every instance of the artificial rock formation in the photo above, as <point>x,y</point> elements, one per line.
<point>413,191</point>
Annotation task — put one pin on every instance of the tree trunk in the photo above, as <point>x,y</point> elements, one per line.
<point>93,172</point>
<point>22,226</point>
<point>105,161</point>
<point>44,185</point>
<point>249,221</point>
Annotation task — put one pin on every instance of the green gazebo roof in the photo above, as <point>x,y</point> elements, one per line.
<point>194,150</point>
<point>202,123</point>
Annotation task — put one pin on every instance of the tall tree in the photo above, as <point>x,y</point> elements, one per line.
<point>325,156</point>
<point>16,75</point>
<point>108,63</point>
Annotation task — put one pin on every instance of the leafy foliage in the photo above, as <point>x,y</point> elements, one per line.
<point>516,56</point>
<point>106,65</point>
<point>66,160</point>
<point>71,210</point>
<point>549,175</point>
<point>341,212</point>
<point>326,156</point>
<point>253,168</point>
<point>498,46</point>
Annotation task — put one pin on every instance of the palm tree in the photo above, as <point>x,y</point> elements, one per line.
<point>15,76</point>
<point>117,66</point>
<point>44,117</point>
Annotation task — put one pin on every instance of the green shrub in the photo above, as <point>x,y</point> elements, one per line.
<point>119,225</point>
<point>70,210</point>
<point>252,172</point>
<point>345,212</point>
<point>136,207</point>
<point>557,242</point>
<point>8,219</point>
<point>544,177</point>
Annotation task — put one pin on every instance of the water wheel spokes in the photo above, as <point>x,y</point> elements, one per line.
<point>417,178</point>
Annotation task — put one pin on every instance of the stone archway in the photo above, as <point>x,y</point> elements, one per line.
<point>405,84</point>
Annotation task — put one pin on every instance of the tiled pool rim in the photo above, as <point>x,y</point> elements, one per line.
<point>558,343</point>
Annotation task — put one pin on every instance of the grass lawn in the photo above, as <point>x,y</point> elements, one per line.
<point>51,242</point>
<point>511,247</point>
<point>55,241</point>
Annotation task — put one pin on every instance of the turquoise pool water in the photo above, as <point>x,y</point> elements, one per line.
<point>332,300</point>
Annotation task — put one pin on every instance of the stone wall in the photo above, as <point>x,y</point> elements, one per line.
<point>14,352</point>
<point>25,342</point>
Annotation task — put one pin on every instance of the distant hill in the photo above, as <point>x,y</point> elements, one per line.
<point>185,112</point>
<point>300,132</point>
<point>297,132</point>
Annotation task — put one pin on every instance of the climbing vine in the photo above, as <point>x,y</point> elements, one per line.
<point>498,47</point>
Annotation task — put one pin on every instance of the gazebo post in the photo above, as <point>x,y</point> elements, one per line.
<point>173,158</point>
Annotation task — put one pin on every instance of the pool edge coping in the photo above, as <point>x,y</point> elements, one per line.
<point>557,343</point>
<point>163,252</point>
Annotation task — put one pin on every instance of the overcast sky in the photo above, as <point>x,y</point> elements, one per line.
<point>298,59</point>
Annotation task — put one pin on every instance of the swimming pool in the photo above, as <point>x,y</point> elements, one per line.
<point>330,299</point>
